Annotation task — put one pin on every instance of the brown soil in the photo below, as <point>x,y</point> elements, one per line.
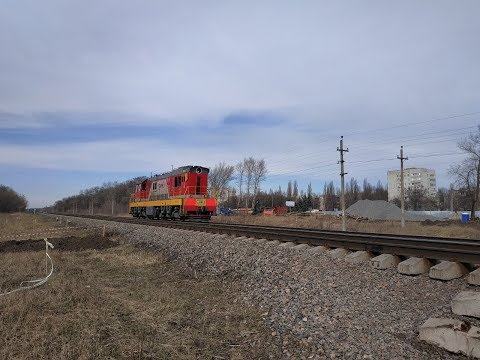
<point>69,243</point>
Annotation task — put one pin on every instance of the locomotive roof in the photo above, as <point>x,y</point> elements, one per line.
<point>177,171</point>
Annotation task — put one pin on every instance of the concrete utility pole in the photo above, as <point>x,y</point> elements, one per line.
<point>342,174</point>
<point>402,188</point>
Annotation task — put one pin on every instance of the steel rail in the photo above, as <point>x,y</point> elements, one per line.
<point>438,248</point>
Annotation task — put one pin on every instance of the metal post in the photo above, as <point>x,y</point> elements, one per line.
<point>342,175</point>
<point>402,188</point>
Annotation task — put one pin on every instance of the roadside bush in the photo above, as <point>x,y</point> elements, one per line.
<point>11,201</point>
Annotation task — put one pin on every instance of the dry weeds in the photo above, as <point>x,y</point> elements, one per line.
<point>457,229</point>
<point>124,302</point>
<point>22,226</point>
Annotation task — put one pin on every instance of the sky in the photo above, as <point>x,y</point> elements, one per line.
<point>93,92</point>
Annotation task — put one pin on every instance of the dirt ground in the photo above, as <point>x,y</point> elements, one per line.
<point>453,229</point>
<point>69,243</point>
<point>107,299</point>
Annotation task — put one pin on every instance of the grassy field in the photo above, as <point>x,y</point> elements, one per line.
<point>111,300</point>
<point>469,230</point>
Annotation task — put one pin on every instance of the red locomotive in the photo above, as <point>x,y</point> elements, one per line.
<point>179,194</point>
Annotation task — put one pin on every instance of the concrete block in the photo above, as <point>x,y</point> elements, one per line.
<point>319,249</point>
<point>338,253</point>
<point>414,266</point>
<point>467,303</point>
<point>287,244</point>
<point>358,257</point>
<point>473,336</point>
<point>474,277</point>
<point>452,335</point>
<point>384,261</point>
<point>301,246</point>
<point>447,270</point>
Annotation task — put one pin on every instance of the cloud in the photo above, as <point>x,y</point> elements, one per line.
<point>120,86</point>
<point>199,61</point>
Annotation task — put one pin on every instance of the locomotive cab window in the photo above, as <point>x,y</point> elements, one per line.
<point>154,186</point>
<point>178,181</point>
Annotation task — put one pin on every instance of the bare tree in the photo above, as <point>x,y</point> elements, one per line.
<point>240,168</point>
<point>249,165</point>
<point>418,199</point>
<point>295,189</point>
<point>309,190</point>
<point>289,190</point>
<point>352,192</point>
<point>259,174</point>
<point>467,173</point>
<point>219,177</point>
<point>329,197</point>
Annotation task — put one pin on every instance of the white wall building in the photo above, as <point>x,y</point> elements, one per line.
<point>413,178</point>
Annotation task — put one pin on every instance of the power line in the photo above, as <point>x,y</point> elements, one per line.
<point>391,127</point>
<point>409,139</point>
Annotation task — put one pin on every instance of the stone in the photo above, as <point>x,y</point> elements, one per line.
<point>358,257</point>
<point>384,261</point>
<point>274,242</point>
<point>319,249</point>
<point>467,303</point>
<point>447,270</point>
<point>301,246</point>
<point>452,335</point>
<point>414,266</point>
<point>261,241</point>
<point>474,277</point>
<point>288,244</point>
<point>338,253</point>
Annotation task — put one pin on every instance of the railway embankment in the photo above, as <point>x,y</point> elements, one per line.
<point>317,305</point>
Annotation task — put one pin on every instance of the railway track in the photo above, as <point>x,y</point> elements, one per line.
<point>465,251</point>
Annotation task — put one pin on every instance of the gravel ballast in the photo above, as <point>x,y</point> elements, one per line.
<point>332,308</point>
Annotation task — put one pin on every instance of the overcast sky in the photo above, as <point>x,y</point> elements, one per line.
<point>102,91</point>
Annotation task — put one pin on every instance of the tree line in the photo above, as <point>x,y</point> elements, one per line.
<point>308,199</point>
<point>239,185</point>
<point>11,201</point>
<point>110,198</point>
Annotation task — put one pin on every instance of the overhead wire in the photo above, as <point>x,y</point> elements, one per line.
<point>389,128</point>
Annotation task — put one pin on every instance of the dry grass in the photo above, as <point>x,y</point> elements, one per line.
<point>124,302</point>
<point>444,229</point>
<point>17,223</point>
<point>21,226</point>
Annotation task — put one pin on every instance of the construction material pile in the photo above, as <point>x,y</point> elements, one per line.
<point>382,210</point>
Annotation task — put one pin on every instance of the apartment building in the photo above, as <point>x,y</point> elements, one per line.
<point>413,178</point>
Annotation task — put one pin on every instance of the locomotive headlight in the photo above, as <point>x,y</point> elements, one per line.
<point>198,170</point>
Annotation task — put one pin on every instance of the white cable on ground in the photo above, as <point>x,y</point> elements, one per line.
<point>37,282</point>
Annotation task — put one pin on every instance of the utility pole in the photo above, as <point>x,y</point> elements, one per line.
<point>342,174</point>
<point>402,188</point>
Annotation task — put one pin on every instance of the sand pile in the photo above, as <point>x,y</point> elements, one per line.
<point>381,210</point>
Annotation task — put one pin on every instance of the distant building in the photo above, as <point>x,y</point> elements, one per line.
<point>413,178</point>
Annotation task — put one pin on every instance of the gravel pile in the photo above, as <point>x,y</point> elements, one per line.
<point>382,210</point>
<point>319,308</point>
